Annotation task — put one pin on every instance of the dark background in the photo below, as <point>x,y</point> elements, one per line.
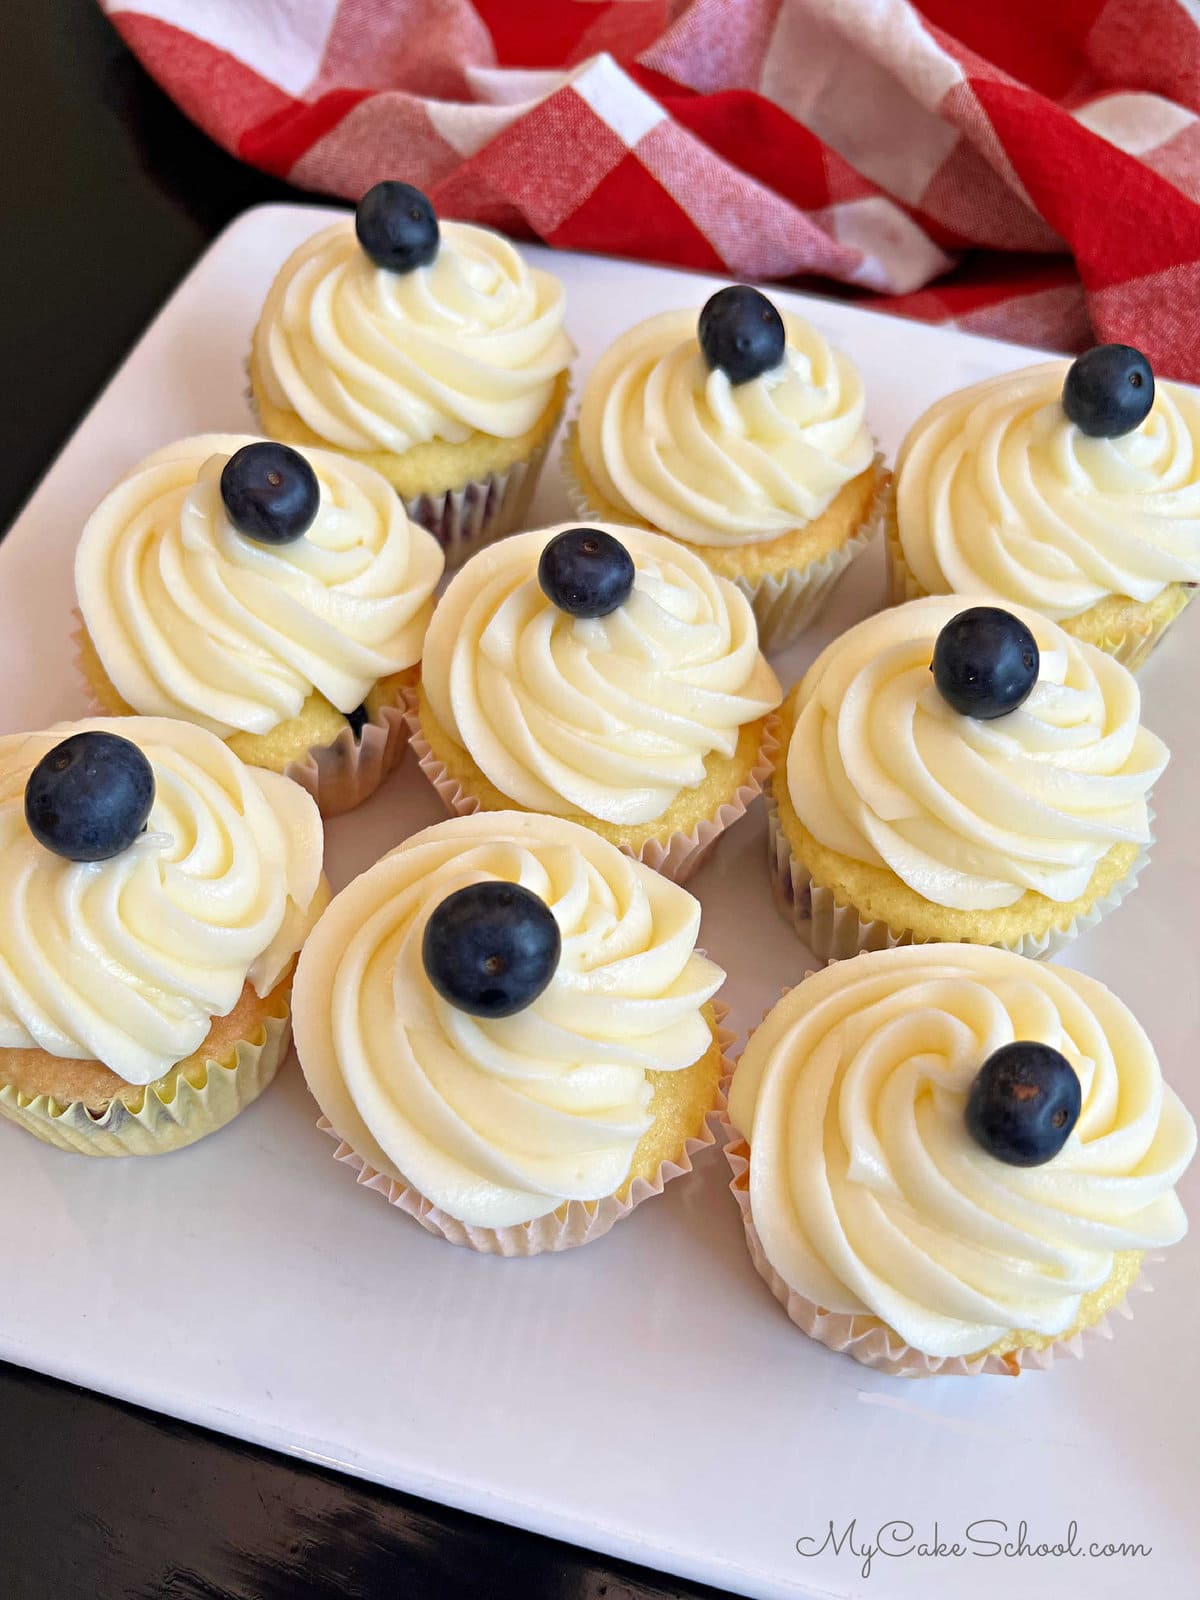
<point>107,196</point>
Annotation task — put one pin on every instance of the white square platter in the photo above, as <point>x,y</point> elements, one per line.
<point>644,1396</point>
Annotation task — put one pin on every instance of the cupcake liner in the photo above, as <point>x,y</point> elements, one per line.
<point>155,1125</point>
<point>677,857</point>
<point>1130,646</point>
<point>574,1223</point>
<point>341,775</point>
<point>783,604</point>
<point>872,1342</point>
<point>833,931</point>
<point>465,520</point>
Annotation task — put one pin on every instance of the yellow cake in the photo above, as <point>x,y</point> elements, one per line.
<point>999,495</point>
<point>852,874</point>
<point>773,481</point>
<point>539,1128</point>
<point>186,1018</point>
<point>650,725</point>
<point>302,655</point>
<point>448,377</point>
<point>892,1226</point>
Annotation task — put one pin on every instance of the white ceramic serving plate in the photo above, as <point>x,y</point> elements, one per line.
<point>644,1396</point>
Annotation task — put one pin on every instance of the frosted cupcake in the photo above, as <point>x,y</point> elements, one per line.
<point>1071,490</point>
<point>605,675</point>
<point>507,1025</point>
<point>953,1160</point>
<point>427,351</point>
<point>277,598</point>
<point>741,435</point>
<point>157,891</point>
<point>959,773</point>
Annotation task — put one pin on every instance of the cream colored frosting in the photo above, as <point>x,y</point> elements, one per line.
<point>870,1195</point>
<point>127,961</point>
<point>970,813</point>
<point>192,619</point>
<point>676,445</point>
<point>998,493</point>
<point>499,1122</point>
<point>609,716</point>
<point>377,360</point>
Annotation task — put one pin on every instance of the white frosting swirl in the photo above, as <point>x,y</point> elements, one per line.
<point>610,716</point>
<point>192,619</point>
<point>377,360</point>
<point>970,813</point>
<point>499,1122</point>
<point>999,494</point>
<point>127,961</point>
<point>680,447</point>
<point>868,1192</point>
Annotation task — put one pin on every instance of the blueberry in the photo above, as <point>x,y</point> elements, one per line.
<point>985,662</point>
<point>586,572</point>
<point>89,797</point>
<point>358,719</point>
<point>271,493</point>
<point>1023,1104</point>
<point>491,948</point>
<point>741,333</point>
<point>1108,391</point>
<point>397,226</point>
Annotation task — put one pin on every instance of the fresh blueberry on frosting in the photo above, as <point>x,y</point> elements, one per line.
<point>491,948</point>
<point>88,798</point>
<point>741,333</point>
<point>270,492</point>
<point>586,572</point>
<point>1109,391</point>
<point>985,662</point>
<point>1024,1103</point>
<point>397,226</point>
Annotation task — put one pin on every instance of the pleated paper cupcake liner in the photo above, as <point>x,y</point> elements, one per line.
<point>677,857</point>
<point>1132,647</point>
<point>465,520</point>
<point>784,604</point>
<point>159,1120</point>
<point>574,1223</point>
<point>339,776</point>
<point>871,1341</point>
<point>833,931</point>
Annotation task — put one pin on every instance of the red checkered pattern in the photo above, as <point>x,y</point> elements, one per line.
<point>1026,168</point>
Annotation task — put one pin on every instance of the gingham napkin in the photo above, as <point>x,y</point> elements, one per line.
<point>1025,168</point>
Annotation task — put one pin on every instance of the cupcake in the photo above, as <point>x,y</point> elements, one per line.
<point>275,597</point>
<point>1001,798</point>
<point>742,436</point>
<point>953,1160</point>
<point>1073,490</point>
<point>427,351</point>
<point>158,891</point>
<point>507,1027</point>
<point>608,676</point>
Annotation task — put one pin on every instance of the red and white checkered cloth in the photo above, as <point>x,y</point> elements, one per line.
<point>1026,168</point>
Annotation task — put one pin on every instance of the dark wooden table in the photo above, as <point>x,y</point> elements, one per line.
<point>108,194</point>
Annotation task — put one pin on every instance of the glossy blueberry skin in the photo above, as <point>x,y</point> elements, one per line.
<point>89,797</point>
<point>397,226</point>
<point>358,719</point>
<point>1108,391</point>
<point>985,662</point>
<point>586,572</point>
<point>491,948</point>
<point>270,492</point>
<point>1023,1104</point>
<point>741,333</point>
